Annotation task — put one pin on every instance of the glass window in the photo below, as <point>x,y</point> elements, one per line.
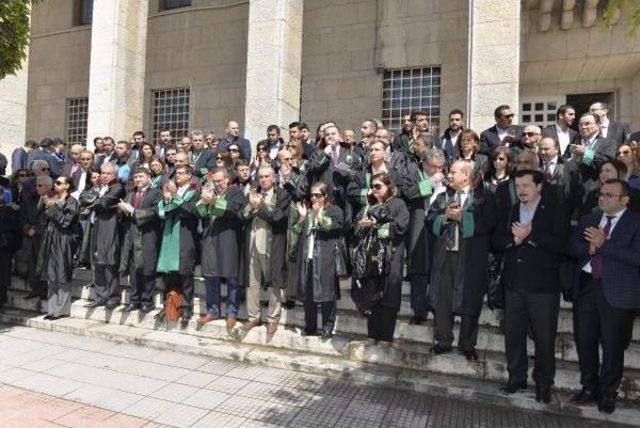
<point>85,12</point>
<point>77,115</point>
<point>410,89</point>
<point>174,4</point>
<point>170,109</point>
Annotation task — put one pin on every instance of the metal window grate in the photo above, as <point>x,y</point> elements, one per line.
<point>170,109</point>
<point>77,115</point>
<point>408,89</point>
<point>539,111</point>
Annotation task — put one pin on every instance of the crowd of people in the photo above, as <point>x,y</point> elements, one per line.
<point>517,216</point>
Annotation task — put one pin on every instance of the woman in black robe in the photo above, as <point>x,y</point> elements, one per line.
<point>380,296</point>
<point>319,228</point>
<point>55,260</point>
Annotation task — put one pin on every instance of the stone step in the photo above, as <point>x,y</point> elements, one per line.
<point>359,361</point>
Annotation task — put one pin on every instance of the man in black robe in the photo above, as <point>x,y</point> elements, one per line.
<point>107,239</point>
<point>141,239</point>
<point>9,242</point>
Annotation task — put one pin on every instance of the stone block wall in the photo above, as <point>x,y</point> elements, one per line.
<point>202,47</point>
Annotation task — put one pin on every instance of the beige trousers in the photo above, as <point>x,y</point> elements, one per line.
<point>257,268</point>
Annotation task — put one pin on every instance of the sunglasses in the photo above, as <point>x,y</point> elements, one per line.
<point>530,134</point>
<point>218,158</point>
<point>262,149</point>
<point>234,150</point>
<point>45,169</point>
<point>59,183</point>
<point>377,186</point>
<point>317,195</point>
<point>508,116</point>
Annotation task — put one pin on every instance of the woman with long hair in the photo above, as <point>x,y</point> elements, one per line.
<point>55,259</point>
<point>377,287</point>
<point>319,226</point>
<point>499,168</point>
<point>158,172</point>
<point>147,152</point>
<point>630,157</point>
<point>468,150</point>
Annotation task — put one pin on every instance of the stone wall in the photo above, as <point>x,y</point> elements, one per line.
<point>202,47</point>
<point>347,44</point>
<point>581,60</point>
<point>13,112</point>
<point>58,67</point>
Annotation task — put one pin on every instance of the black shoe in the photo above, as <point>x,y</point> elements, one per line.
<point>290,304</point>
<point>471,355</point>
<point>48,317</point>
<point>309,332</point>
<point>187,313</point>
<point>543,393</point>
<point>112,304</point>
<point>585,396</point>
<point>438,349</point>
<point>57,317</point>
<point>146,308</point>
<point>513,387</point>
<point>95,304</point>
<point>417,320</point>
<point>131,307</point>
<point>607,403</point>
<point>160,315</point>
<point>327,333</point>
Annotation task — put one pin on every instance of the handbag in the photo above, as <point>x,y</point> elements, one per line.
<point>369,257</point>
<point>495,288</point>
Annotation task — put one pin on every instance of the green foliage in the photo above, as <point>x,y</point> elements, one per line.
<point>14,35</point>
<point>615,6</point>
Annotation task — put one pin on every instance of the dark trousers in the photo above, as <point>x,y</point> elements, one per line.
<point>5,274</point>
<point>382,323</point>
<point>419,285</point>
<point>142,286</point>
<point>107,285</point>
<point>185,284</point>
<point>596,321</point>
<point>35,283</point>
<point>540,311</point>
<point>327,309</point>
<point>443,312</point>
<point>212,297</point>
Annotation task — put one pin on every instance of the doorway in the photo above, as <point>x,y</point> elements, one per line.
<point>581,102</point>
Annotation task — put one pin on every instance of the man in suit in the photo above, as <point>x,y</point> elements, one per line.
<point>618,132</point>
<point>531,237</point>
<point>561,131</point>
<point>201,158</point>
<point>462,220</point>
<point>141,240</point>
<point>449,140</point>
<point>108,152</point>
<point>46,147</point>
<point>503,133</point>
<point>403,138</point>
<point>531,135</point>
<point>233,136</point>
<point>20,155</point>
<point>591,151</point>
<point>607,246</point>
<point>73,168</point>
<point>561,175</point>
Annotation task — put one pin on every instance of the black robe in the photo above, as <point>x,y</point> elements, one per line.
<point>325,286</point>
<point>478,221</point>
<point>393,213</point>
<point>417,191</point>
<point>107,233</point>
<point>277,217</point>
<point>222,233</point>
<point>55,258</point>
<point>142,232</point>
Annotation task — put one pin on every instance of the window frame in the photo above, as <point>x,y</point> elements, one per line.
<point>178,125</point>
<point>162,5</point>
<point>76,117</point>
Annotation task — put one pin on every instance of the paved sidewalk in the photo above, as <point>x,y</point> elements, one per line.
<point>74,375</point>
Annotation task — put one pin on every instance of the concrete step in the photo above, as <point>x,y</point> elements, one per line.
<point>359,361</point>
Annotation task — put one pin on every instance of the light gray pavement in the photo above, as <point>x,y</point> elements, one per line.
<point>175,389</point>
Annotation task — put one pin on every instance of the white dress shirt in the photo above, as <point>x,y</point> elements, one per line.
<point>603,223</point>
<point>564,138</point>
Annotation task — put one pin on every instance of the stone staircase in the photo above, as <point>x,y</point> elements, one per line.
<point>348,352</point>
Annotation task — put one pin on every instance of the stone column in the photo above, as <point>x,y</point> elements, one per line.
<point>13,111</point>
<point>116,76</point>
<point>494,59</point>
<point>274,57</point>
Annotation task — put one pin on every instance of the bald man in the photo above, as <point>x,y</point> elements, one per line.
<point>233,136</point>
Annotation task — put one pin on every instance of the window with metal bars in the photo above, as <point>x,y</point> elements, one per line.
<point>409,89</point>
<point>77,115</point>
<point>170,110</point>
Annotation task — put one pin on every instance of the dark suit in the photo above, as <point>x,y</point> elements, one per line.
<point>444,143</point>
<point>75,177</point>
<point>532,288</point>
<point>489,139</point>
<point>603,151</point>
<point>552,131</point>
<point>604,308</point>
<point>565,184</point>
<point>618,132</point>
<point>243,144</point>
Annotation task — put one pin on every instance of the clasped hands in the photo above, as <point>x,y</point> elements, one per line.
<point>520,232</point>
<point>595,237</point>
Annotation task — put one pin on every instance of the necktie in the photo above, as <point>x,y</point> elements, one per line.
<point>596,259</point>
<point>448,231</point>
<point>137,198</point>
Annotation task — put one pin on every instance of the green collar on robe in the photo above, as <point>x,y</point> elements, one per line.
<point>169,258</point>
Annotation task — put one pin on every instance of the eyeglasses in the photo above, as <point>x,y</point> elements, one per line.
<point>317,195</point>
<point>530,134</point>
<point>377,186</point>
<point>609,195</point>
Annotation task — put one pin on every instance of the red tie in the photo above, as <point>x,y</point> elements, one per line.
<point>137,198</point>
<point>596,259</point>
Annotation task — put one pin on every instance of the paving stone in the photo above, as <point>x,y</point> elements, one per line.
<point>104,397</point>
<point>207,399</point>
<point>220,419</point>
<point>147,408</point>
<point>174,392</point>
<point>197,378</point>
<point>179,415</point>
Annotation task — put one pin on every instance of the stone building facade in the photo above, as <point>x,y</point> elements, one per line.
<point>109,67</point>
